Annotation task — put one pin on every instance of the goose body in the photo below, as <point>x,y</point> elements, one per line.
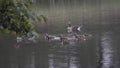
<point>66,39</point>
<point>61,38</point>
<point>22,39</point>
<point>32,39</point>
<point>52,37</point>
<point>76,28</point>
<point>83,37</point>
<point>73,29</point>
<point>19,39</point>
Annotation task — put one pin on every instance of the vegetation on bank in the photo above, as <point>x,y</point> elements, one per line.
<point>16,17</point>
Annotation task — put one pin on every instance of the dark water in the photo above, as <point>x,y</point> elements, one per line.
<point>102,51</point>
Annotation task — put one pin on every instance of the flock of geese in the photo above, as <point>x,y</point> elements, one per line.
<point>67,39</point>
<point>73,35</point>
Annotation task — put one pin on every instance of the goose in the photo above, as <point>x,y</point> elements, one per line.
<point>80,37</point>
<point>83,37</point>
<point>52,37</point>
<point>18,40</point>
<point>31,39</point>
<point>76,28</point>
<point>87,36</point>
<point>24,39</point>
<point>67,39</point>
<point>61,38</point>
<point>69,28</point>
<point>73,29</point>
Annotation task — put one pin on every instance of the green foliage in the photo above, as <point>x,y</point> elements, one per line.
<point>42,18</point>
<point>16,17</point>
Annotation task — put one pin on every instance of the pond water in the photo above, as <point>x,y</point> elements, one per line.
<point>102,51</point>
<point>98,17</point>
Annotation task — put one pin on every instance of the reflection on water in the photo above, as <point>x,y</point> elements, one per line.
<point>22,58</point>
<point>109,53</point>
<point>107,50</point>
<point>55,55</point>
<point>63,57</point>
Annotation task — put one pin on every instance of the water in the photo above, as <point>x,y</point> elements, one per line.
<point>109,50</point>
<point>101,19</point>
<point>102,51</point>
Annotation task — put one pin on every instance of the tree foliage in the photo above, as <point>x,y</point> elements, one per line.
<point>15,16</point>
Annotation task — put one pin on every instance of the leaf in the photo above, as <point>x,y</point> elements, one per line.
<point>32,27</point>
<point>15,18</point>
<point>18,1</point>
<point>42,18</point>
<point>27,4</point>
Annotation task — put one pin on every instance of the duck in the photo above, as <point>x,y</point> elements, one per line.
<point>79,37</point>
<point>61,38</point>
<point>73,29</point>
<point>76,29</point>
<point>19,39</point>
<point>52,37</point>
<point>88,36</point>
<point>68,40</point>
<point>25,39</point>
<point>83,37</point>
